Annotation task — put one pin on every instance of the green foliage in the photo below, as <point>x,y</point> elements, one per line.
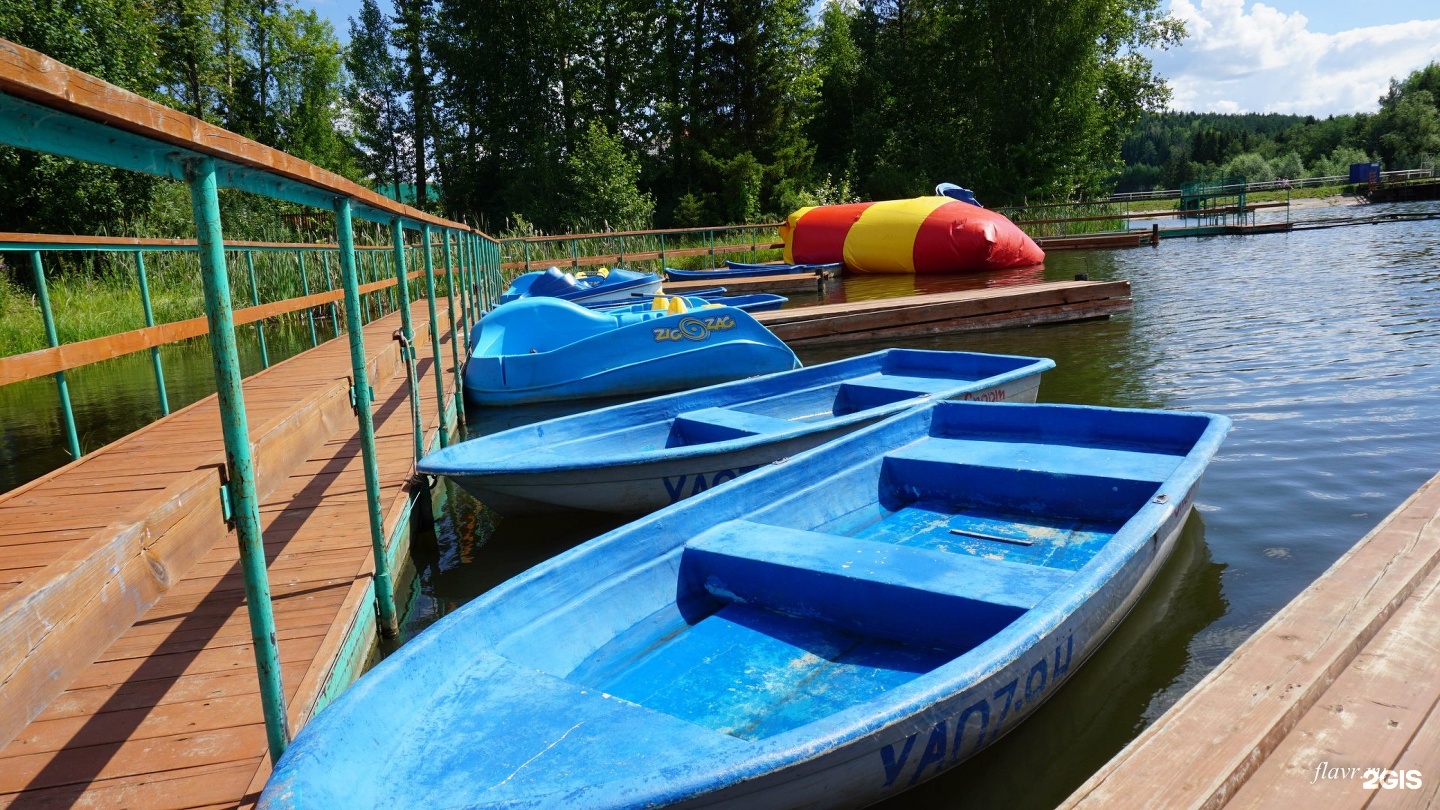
<point>604,194</point>
<point>1167,149</point>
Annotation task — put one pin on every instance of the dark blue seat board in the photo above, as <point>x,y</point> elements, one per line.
<point>912,595</point>
<point>754,673</point>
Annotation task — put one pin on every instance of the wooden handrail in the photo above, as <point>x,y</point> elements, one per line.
<point>11,241</point>
<point>35,77</point>
<point>44,362</point>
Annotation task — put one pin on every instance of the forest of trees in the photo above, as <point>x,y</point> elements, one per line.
<point>587,115</point>
<point>1167,149</point>
<point>581,114</point>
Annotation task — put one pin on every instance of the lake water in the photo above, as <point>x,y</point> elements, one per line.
<point>1323,346</point>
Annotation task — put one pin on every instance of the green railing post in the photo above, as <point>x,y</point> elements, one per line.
<point>662,255</point>
<point>305,286</point>
<point>527,257</point>
<point>402,288</point>
<point>454,332</point>
<point>243,502</point>
<point>72,437</point>
<point>462,280</point>
<point>440,403</point>
<point>255,301</point>
<point>621,256</point>
<point>150,321</point>
<point>330,287</point>
<point>384,590</point>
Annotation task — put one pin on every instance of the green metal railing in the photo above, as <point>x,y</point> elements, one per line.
<point>48,107</point>
<point>649,250</point>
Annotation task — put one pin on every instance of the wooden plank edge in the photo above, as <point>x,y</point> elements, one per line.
<point>1302,697</point>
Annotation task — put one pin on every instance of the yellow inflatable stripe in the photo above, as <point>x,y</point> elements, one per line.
<point>883,239</point>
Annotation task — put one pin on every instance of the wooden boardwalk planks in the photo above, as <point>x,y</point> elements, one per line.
<point>1342,677</point>
<point>789,282</point>
<point>164,712</point>
<point>938,313</point>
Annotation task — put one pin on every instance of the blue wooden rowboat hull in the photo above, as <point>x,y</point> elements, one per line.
<point>546,349</point>
<point>735,270</point>
<point>755,302</point>
<point>828,633</point>
<point>641,456</point>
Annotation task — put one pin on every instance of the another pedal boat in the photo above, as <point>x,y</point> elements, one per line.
<point>546,349</point>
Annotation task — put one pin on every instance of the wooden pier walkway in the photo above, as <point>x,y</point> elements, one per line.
<point>1341,681</point>
<point>127,667</point>
<point>943,313</point>
<point>787,283</point>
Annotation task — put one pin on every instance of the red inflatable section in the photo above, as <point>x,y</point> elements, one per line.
<point>962,237</point>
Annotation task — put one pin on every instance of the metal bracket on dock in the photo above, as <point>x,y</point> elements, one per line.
<point>354,407</point>
<point>227,511</point>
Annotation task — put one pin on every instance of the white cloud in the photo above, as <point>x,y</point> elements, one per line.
<point>1264,60</point>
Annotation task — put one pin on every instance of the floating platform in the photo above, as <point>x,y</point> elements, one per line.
<point>1341,681</point>
<point>942,313</point>
<point>129,679</point>
<point>1120,239</point>
<point>1403,192</point>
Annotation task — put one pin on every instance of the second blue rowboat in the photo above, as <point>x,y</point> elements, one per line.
<point>828,632</point>
<point>547,349</point>
<point>754,302</point>
<point>602,286</point>
<point>640,456</point>
<point>738,270</point>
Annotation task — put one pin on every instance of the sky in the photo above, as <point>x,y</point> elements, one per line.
<point>1309,57</point>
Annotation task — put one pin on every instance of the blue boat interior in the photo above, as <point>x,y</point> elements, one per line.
<point>811,605</point>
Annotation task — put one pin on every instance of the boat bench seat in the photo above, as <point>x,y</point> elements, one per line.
<point>1056,459</point>
<point>883,389</point>
<point>872,588</point>
<point>721,424</point>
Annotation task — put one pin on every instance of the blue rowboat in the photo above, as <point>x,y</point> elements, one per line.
<point>640,456</point>
<point>602,286</point>
<point>755,302</point>
<point>827,633</point>
<point>736,270</point>
<point>548,349</point>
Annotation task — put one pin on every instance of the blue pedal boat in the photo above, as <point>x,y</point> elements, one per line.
<point>738,270</point>
<point>605,285</point>
<point>641,456</point>
<point>548,349</point>
<point>829,632</point>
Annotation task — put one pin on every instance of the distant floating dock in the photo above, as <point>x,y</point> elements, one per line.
<point>942,313</point>
<point>1341,681</point>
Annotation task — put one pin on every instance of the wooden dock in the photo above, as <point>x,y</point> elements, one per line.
<point>129,679</point>
<point>941,313</point>
<point>1341,681</point>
